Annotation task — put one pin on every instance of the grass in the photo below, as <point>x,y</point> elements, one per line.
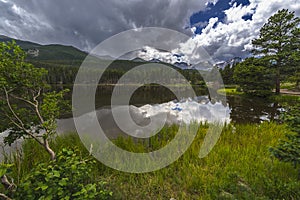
<point>229,91</point>
<point>288,85</point>
<point>239,167</point>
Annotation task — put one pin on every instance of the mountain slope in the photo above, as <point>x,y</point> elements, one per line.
<point>53,52</point>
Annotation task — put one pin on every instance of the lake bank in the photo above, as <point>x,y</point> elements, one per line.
<point>238,167</point>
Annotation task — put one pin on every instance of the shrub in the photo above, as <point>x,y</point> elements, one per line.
<point>68,177</point>
<point>289,150</point>
<point>254,78</point>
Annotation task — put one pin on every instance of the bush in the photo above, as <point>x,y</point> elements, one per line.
<point>68,177</point>
<point>254,78</point>
<point>289,150</point>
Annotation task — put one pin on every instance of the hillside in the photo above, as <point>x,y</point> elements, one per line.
<point>49,53</point>
<point>63,62</point>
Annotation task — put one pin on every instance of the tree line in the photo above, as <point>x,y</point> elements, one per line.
<point>276,56</point>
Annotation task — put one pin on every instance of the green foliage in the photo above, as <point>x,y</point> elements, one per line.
<point>19,80</point>
<point>289,149</point>
<point>227,74</point>
<point>238,167</point>
<point>253,77</point>
<point>279,40</point>
<point>5,168</point>
<point>15,73</point>
<point>285,99</point>
<point>296,79</point>
<point>67,54</point>
<point>69,177</point>
<point>230,91</point>
<point>27,110</point>
<point>53,104</point>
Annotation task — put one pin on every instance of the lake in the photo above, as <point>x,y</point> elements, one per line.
<point>242,109</point>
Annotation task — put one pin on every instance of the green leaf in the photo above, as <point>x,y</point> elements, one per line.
<point>63,182</point>
<point>44,187</point>
<point>56,173</point>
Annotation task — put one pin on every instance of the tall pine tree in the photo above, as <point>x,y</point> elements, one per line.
<point>279,40</point>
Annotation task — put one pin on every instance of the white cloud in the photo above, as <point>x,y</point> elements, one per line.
<point>193,30</point>
<point>149,53</point>
<point>17,22</point>
<point>86,23</point>
<point>233,37</point>
<point>235,13</point>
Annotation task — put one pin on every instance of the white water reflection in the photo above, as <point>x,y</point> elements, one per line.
<point>190,110</point>
<point>199,110</point>
<point>186,111</point>
<point>6,151</point>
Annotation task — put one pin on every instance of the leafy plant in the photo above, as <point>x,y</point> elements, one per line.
<point>69,177</point>
<point>289,150</point>
<point>253,77</point>
<point>27,110</point>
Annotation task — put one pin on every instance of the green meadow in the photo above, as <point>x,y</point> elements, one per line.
<point>240,166</point>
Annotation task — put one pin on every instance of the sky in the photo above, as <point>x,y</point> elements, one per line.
<point>224,28</point>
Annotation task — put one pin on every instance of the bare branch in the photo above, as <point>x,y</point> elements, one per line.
<point>49,150</point>
<point>22,99</point>
<point>11,109</point>
<point>8,185</point>
<point>3,196</point>
<point>25,130</point>
<point>13,121</point>
<point>35,138</point>
<point>37,106</point>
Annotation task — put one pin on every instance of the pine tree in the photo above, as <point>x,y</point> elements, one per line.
<point>278,41</point>
<point>288,150</point>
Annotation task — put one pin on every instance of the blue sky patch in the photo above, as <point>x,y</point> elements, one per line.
<point>200,19</point>
<point>247,17</point>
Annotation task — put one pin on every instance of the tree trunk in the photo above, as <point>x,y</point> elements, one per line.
<point>49,150</point>
<point>3,196</point>
<point>7,185</point>
<point>277,92</point>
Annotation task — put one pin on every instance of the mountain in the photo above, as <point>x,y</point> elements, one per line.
<point>54,55</point>
<point>52,52</point>
<point>203,66</point>
<point>137,59</point>
<point>231,62</point>
<point>182,65</point>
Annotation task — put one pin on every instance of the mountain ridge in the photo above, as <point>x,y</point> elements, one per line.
<point>39,52</point>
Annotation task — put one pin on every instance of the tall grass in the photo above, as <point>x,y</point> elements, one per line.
<point>238,167</point>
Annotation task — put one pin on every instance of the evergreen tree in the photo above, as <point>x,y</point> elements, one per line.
<point>288,150</point>
<point>227,74</point>
<point>253,77</point>
<point>279,40</point>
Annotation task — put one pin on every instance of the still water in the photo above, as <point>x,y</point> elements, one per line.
<point>242,109</point>
<point>153,99</point>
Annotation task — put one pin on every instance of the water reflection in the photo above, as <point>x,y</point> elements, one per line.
<point>243,109</point>
<point>199,109</point>
<point>253,110</point>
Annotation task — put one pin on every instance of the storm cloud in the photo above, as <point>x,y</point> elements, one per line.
<point>84,24</point>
